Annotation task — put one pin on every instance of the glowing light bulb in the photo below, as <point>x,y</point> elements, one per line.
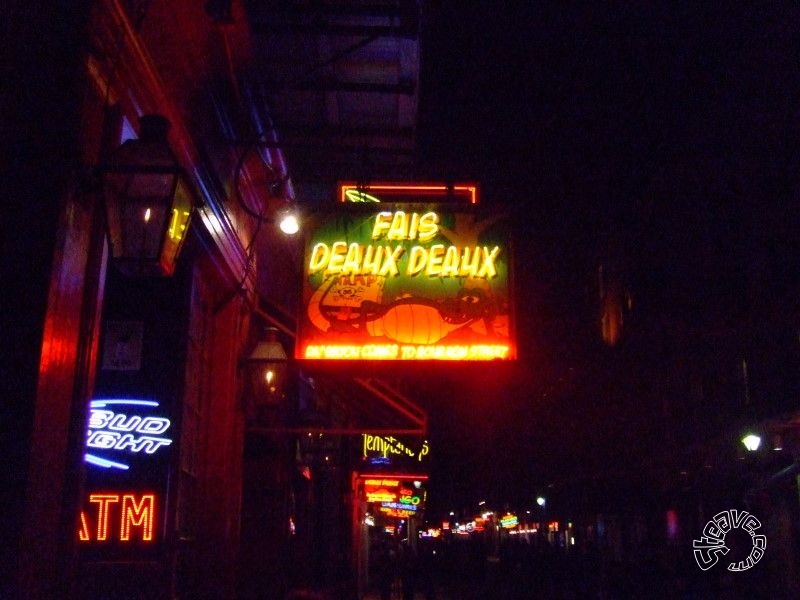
<point>147,215</point>
<point>751,442</point>
<point>289,224</point>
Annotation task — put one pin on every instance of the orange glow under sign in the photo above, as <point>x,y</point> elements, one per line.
<point>407,351</point>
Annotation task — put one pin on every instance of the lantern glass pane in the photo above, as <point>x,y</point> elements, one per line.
<point>148,208</point>
<point>177,224</point>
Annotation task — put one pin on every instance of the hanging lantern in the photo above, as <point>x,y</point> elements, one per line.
<point>147,203</point>
<point>265,373</point>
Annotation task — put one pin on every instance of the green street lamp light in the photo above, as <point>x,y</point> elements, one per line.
<point>752,442</point>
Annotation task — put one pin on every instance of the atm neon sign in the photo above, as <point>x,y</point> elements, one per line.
<point>122,517</point>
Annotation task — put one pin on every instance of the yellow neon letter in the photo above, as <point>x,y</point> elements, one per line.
<point>383,221</point>
<point>338,251</point>
<point>352,262</point>
<point>102,501</point>
<point>319,257</point>
<point>416,260</point>
<point>137,514</point>
<point>487,268</point>
<point>399,228</point>
<point>435,258</point>
<point>372,260</point>
<point>450,264</point>
<point>390,261</point>
<point>469,262</point>
<point>413,227</point>
<point>428,226</point>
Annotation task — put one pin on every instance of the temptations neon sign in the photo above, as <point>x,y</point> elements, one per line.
<point>383,445</point>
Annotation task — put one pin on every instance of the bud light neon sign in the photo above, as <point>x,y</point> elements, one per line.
<point>119,428</point>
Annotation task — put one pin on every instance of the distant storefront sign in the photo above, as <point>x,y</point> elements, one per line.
<point>394,496</point>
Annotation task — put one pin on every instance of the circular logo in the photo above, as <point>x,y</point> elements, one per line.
<point>712,543</point>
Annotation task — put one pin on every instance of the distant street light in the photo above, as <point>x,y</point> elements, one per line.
<point>541,501</point>
<point>752,442</point>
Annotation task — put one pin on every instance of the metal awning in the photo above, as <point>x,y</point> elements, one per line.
<point>339,82</point>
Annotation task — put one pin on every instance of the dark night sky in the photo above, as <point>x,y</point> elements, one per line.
<point>660,138</point>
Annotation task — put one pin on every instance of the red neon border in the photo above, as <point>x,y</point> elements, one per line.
<point>423,188</point>
<point>390,476</point>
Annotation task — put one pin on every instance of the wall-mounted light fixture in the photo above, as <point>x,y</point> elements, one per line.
<point>147,202</point>
<point>265,374</point>
<point>289,222</point>
<point>286,216</point>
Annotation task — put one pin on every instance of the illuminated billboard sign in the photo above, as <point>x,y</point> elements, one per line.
<point>407,281</point>
<point>381,489</point>
<point>397,496</point>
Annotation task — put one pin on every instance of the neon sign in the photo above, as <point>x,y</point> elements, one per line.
<point>382,482</point>
<point>394,495</point>
<point>438,260</point>
<point>118,517</point>
<point>509,521</point>
<point>417,282</point>
<point>120,433</point>
<point>409,500</point>
<point>404,192</point>
<point>381,496</point>
<point>402,505</point>
<point>397,513</point>
<point>384,446</point>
